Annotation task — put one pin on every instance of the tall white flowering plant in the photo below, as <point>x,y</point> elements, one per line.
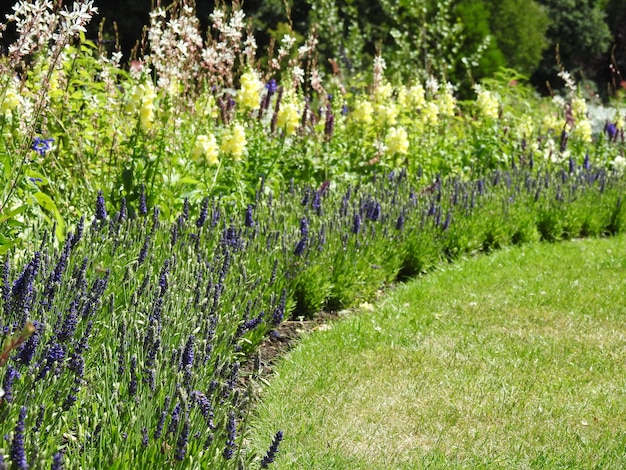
<point>33,66</point>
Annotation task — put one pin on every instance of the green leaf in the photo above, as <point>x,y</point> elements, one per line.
<point>47,204</point>
<point>188,180</point>
<point>13,213</point>
<point>127,178</point>
<point>6,246</point>
<point>34,174</point>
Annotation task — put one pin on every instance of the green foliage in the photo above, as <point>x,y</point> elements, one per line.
<point>579,39</point>
<point>519,28</point>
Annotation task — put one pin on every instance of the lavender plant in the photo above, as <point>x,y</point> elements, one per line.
<point>146,323</point>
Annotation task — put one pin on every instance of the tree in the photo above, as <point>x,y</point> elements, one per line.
<point>579,40</point>
<point>519,27</point>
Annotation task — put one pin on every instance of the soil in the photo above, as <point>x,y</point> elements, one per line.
<point>281,340</point>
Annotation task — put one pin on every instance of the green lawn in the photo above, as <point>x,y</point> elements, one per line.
<point>512,360</point>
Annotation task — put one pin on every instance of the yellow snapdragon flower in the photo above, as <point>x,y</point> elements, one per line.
<point>551,122</point>
<point>430,114</point>
<point>397,141</point>
<point>249,96</point>
<point>234,142</point>
<point>288,118</point>
<point>526,128</point>
<point>363,111</point>
<point>417,96</point>
<point>206,149</point>
<point>487,103</point>
<point>146,113</point>
<point>582,130</point>
<point>141,98</point>
<point>446,102</point>
<point>579,108</point>
<point>11,100</point>
<point>384,92</point>
<point>387,113</point>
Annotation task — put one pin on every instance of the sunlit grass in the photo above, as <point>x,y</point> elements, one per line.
<point>513,360</point>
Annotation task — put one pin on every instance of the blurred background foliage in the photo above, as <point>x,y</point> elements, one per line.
<point>461,41</point>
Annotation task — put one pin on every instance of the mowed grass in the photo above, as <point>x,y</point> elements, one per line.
<point>516,359</point>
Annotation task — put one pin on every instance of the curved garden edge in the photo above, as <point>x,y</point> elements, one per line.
<point>555,362</point>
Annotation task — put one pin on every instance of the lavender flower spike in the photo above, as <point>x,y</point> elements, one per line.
<point>101,212</point>
<point>231,429</point>
<point>188,353</point>
<point>249,222</point>
<point>272,451</point>
<point>18,455</point>
<point>57,461</point>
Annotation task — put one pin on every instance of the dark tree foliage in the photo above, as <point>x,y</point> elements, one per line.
<point>579,38</point>
<point>524,34</point>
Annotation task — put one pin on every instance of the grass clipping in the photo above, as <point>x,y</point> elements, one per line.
<point>516,359</point>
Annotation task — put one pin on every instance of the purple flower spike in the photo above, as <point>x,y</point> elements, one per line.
<point>11,375</point>
<point>279,312</point>
<point>249,222</point>
<point>57,461</point>
<point>143,208</point>
<point>204,211</point>
<point>356,223</point>
<point>181,444</point>
<point>300,247</point>
<point>272,451</point>
<point>304,227</point>
<point>231,429</point>
<point>101,212</point>
<point>18,455</point>
<point>132,387</point>
<point>271,87</point>
<point>175,419</point>
<point>188,353</point>
<point>400,222</point>
<point>611,131</point>
<point>145,439</point>
<point>159,429</point>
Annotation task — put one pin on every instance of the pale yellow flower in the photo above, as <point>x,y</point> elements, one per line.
<point>141,98</point>
<point>397,141</point>
<point>11,100</point>
<point>288,118</point>
<point>619,121</point>
<point>582,130</point>
<point>417,96</point>
<point>487,103</point>
<point>579,108</point>
<point>206,148</point>
<point>551,122</point>
<point>430,114</point>
<point>249,96</point>
<point>384,92</point>
<point>363,111</point>
<point>146,113</point>
<point>134,100</point>
<point>386,113</point>
<point>526,127</point>
<point>446,102</point>
<point>234,142</point>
